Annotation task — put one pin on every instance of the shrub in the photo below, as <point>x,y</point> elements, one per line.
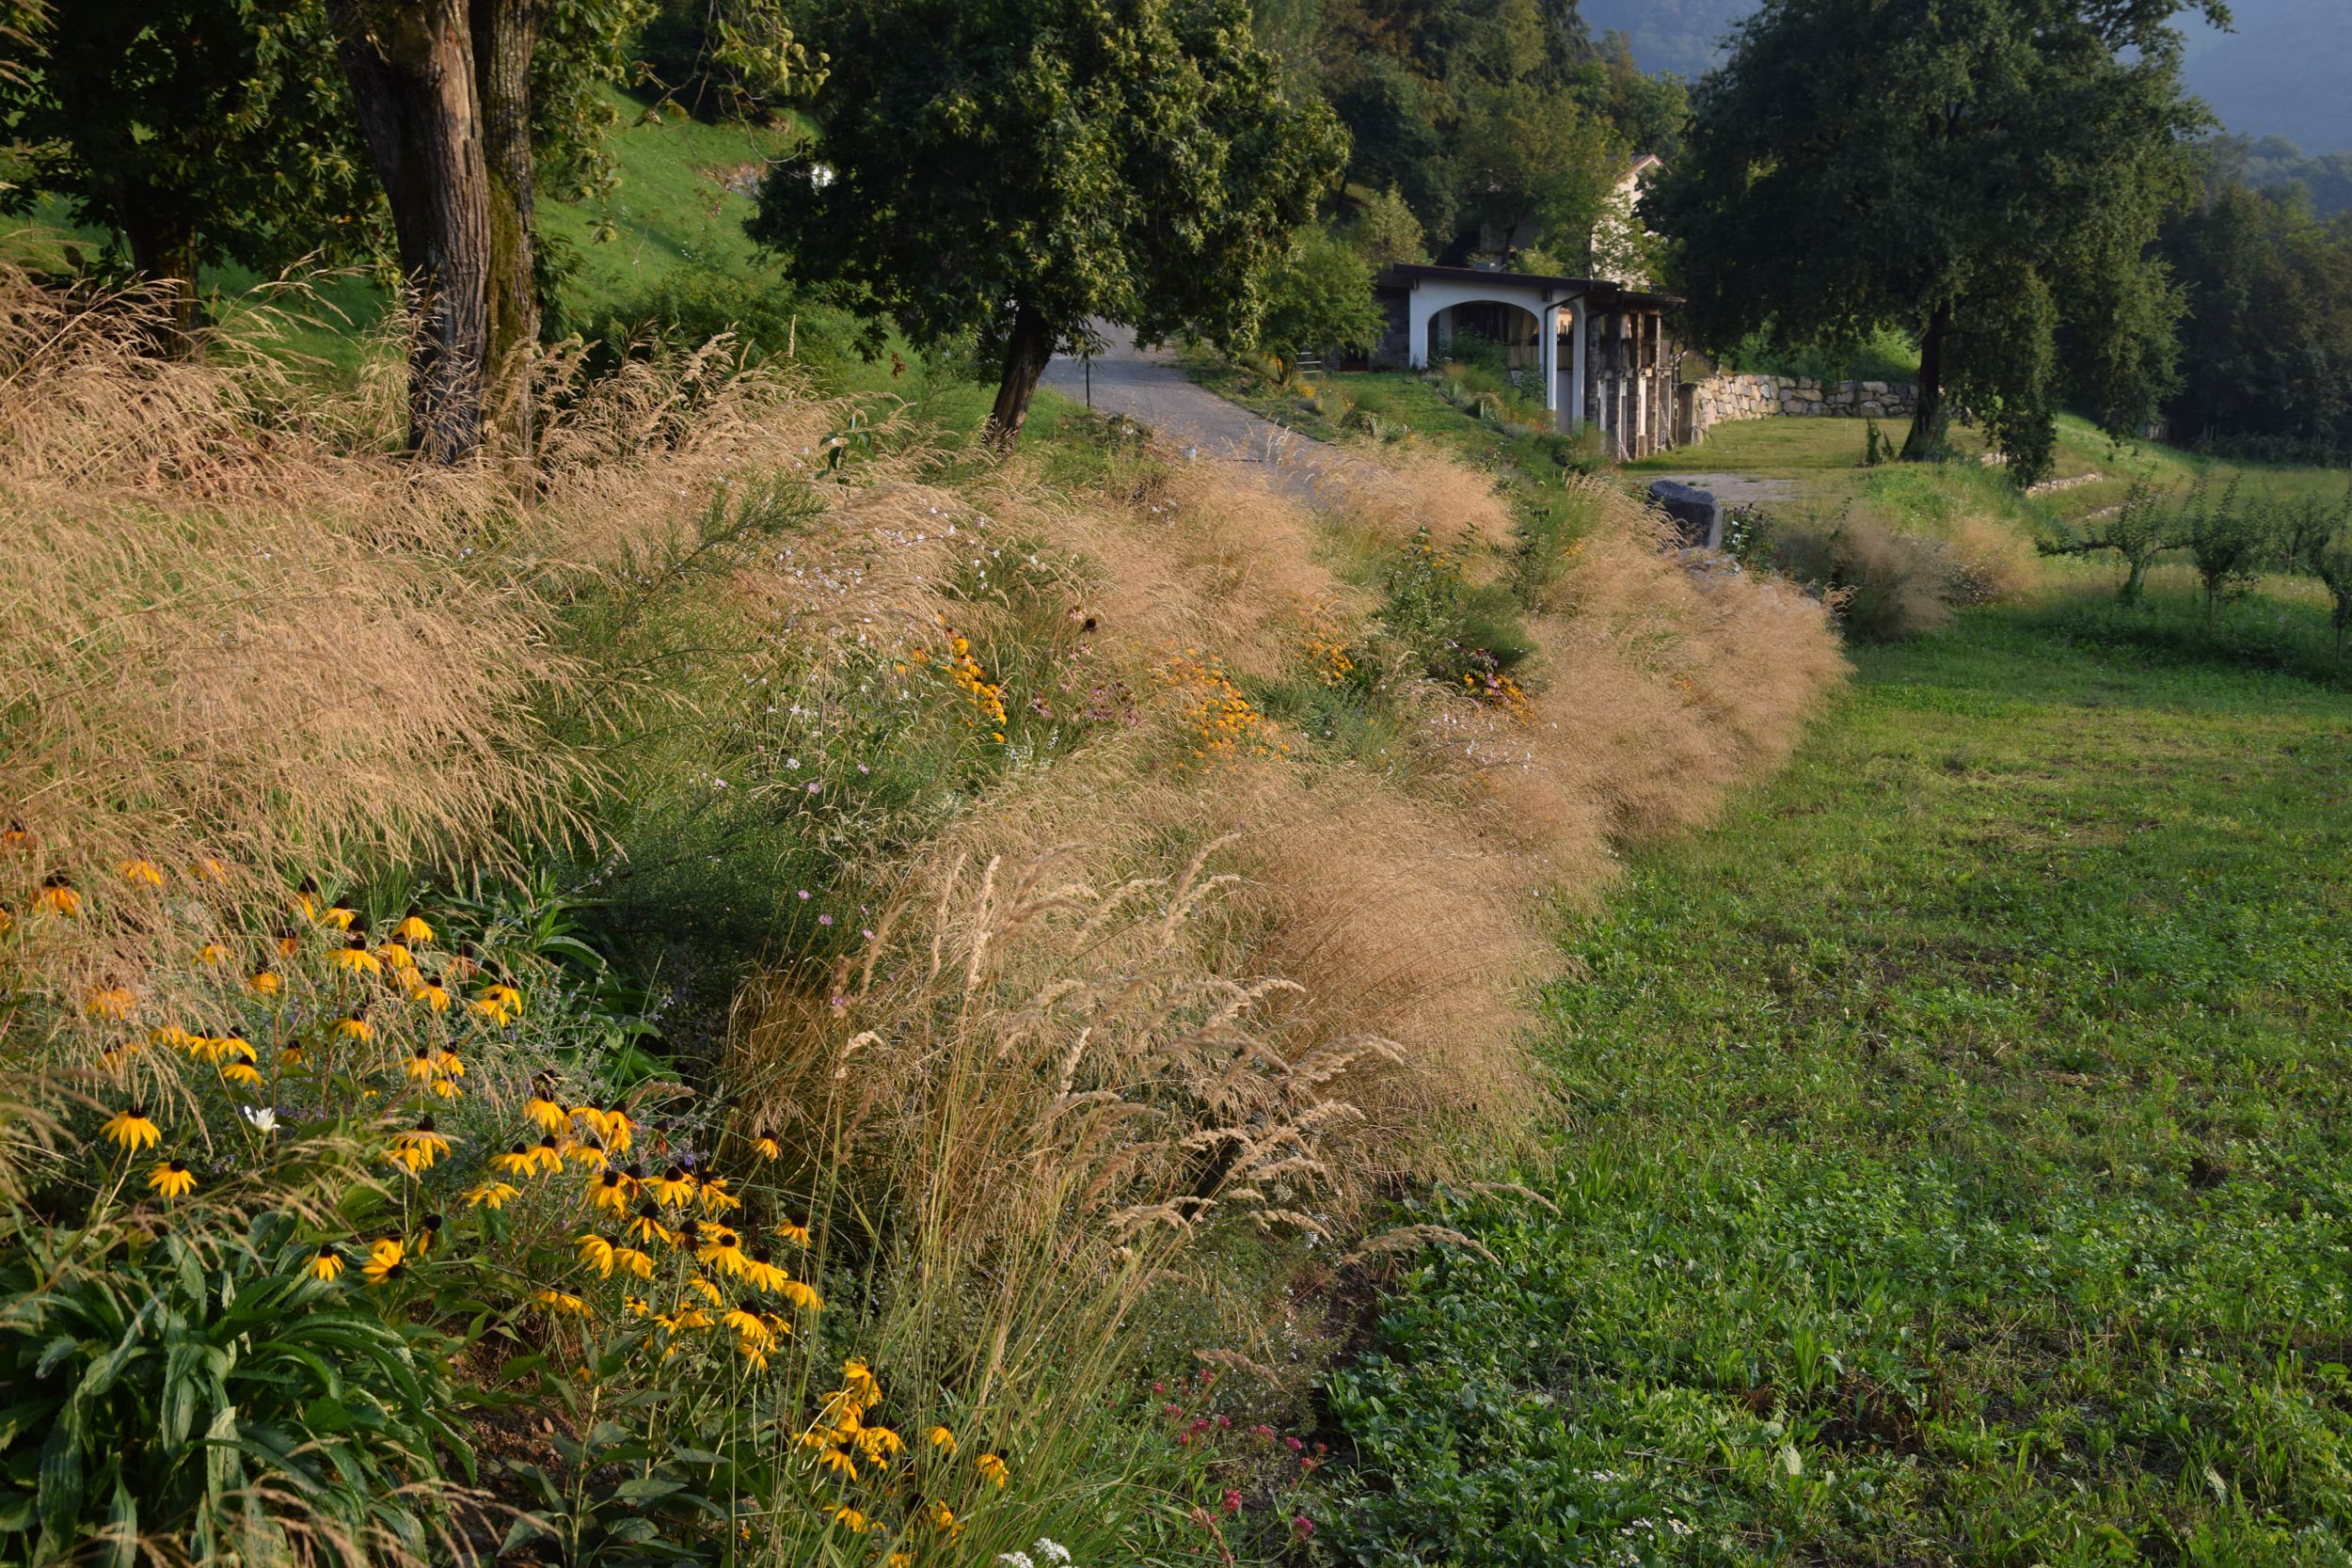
<point>1885,586</point>
<point>2138,530</point>
<point>1457,631</point>
<point>2231,544</point>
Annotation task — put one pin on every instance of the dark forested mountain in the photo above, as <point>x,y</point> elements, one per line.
<point>2282,72</point>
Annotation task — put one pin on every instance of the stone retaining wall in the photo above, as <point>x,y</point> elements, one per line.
<point>1754,397</point>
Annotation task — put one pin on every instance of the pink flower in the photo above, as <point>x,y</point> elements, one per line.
<point>1294,1445</point>
<point>1264,1431</point>
<point>1224,1421</point>
<point>1171,1411</point>
<point>1232,1501</point>
<point>1156,1388</point>
<point>825,920</point>
<point>1303,1526</point>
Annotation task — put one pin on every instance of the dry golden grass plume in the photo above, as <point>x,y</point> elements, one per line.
<point>1391,490</point>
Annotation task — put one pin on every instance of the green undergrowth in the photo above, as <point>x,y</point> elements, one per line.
<point>1954,1160</point>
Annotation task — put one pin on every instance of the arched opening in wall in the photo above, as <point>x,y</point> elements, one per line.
<point>1476,329</point>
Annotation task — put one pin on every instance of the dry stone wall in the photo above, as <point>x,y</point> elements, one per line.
<point>1754,397</point>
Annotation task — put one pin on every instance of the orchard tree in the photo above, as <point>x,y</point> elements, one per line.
<point>199,131</point>
<point>1987,174</point>
<point>1018,169</point>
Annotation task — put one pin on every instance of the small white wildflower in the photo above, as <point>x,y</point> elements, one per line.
<point>1015,1559</point>
<point>1051,1551</point>
<point>263,1118</point>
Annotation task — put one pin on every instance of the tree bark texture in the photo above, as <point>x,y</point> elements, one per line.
<point>1930,421</point>
<point>167,259</point>
<point>504,34</point>
<point>411,67</point>
<point>1026,351</point>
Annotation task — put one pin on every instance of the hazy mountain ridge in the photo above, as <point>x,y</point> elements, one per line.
<point>2281,72</point>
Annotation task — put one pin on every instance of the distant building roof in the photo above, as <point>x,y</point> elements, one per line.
<point>1404,275</point>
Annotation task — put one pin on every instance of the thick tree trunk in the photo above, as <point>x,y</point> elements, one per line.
<point>167,257</point>
<point>411,67</point>
<point>1026,354</point>
<point>504,32</point>
<point>1930,418</point>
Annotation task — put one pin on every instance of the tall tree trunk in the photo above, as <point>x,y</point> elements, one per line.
<point>1930,418</point>
<point>504,34</point>
<point>167,257</point>
<point>1026,354</point>
<point>411,67</point>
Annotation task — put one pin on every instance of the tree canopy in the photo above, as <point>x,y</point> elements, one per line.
<point>1986,173</point>
<point>1014,168</point>
<point>199,131</point>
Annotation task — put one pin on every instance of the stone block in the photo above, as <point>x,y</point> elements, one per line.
<point>1698,517</point>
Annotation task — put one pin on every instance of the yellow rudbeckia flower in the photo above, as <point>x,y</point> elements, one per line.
<point>172,1178</point>
<point>132,1129</point>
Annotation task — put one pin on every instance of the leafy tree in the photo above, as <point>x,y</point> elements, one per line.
<point>1985,173</point>
<point>199,131</point>
<point>2138,530</point>
<point>2229,541</point>
<point>2267,342</point>
<point>1018,169</point>
<point>2319,536</point>
<point>736,58</point>
<point>1535,161</point>
<point>1384,231</point>
<point>1318,296</point>
<point>1395,140</point>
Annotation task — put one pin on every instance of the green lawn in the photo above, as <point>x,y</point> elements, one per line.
<point>1954,1159</point>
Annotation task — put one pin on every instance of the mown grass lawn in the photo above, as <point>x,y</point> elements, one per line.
<point>1953,1159</point>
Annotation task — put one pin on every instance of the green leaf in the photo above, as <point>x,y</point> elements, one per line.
<point>327,1413</point>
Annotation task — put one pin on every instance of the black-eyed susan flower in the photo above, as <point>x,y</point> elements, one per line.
<point>354,1026</point>
<point>432,993</point>
<point>288,941</point>
<point>762,1274</point>
<point>850,1519</point>
<point>292,1058</point>
<point>172,1038</point>
<point>597,1253</point>
<point>205,868</point>
<point>766,1148</point>
<point>646,1226</point>
<point>412,929</point>
<point>395,957</point>
<point>545,1110</point>
<point>342,919</point>
<point>264,982</point>
<point>172,1178</point>
<point>858,1378</point>
<point>993,1470</point>
<point>610,1192</point>
<point>878,1443</point>
<point>15,836</point>
<point>428,1232</point>
<point>416,1148</point>
<point>112,1001</point>
<point>620,1134</point>
<point>704,1288</point>
<point>306,900</point>
<point>211,956</point>
<point>506,996</point>
<point>942,1439</point>
<point>518,1161</point>
<point>673,1189</point>
<point>327,1264</point>
<point>353,957</point>
<point>691,1316</point>
<point>559,1301</point>
<point>491,1194</point>
<point>715,1197</point>
<point>801,1295</point>
<point>586,1155</point>
<point>141,873</point>
<point>943,1519</point>
<point>132,1129</point>
<point>388,1259</point>
<point>796,1234</point>
<point>228,1048</point>
<point>630,1260</point>
<point>547,1155</point>
<point>588,1118</point>
<point>418,1067</point>
<point>57,896</point>
<point>723,1249</point>
<point>838,1461</point>
<point>118,1056</point>
<point>244,1075</point>
<point>686,1236</point>
<point>745,1321</point>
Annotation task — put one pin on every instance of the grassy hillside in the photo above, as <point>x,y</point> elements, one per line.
<point>1954,1166</point>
